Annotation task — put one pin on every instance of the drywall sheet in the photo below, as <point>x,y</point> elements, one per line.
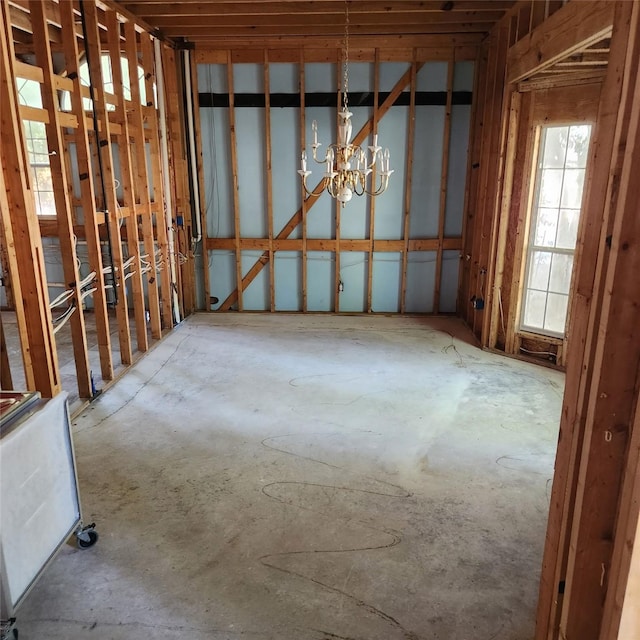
<point>222,275</point>
<point>427,171</point>
<point>285,161</point>
<point>457,174</point>
<point>251,156</point>
<point>449,281</point>
<point>387,281</point>
<point>420,282</point>
<point>288,277</point>
<point>320,280</point>
<point>321,218</point>
<point>392,135</point>
<point>256,297</point>
<point>39,504</point>
<point>353,274</point>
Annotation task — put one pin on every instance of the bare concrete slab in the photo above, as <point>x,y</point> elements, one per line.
<point>291,477</point>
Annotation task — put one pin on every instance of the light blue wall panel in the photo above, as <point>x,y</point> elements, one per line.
<point>361,76</point>
<point>285,162</point>
<point>449,281</point>
<point>463,76</point>
<point>212,78</point>
<point>320,280</point>
<point>256,297</point>
<point>216,169</point>
<point>432,77</point>
<point>392,134</point>
<point>457,175</point>
<point>386,282</point>
<point>288,275</point>
<point>248,78</point>
<point>283,77</point>
<point>320,77</point>
<point>321,217</point>
<point>250,137</point>
<point>421,281</point>
<point>390,73</point>
<point>222,275</point>
<point>353,273</point>
<point>427,172</point>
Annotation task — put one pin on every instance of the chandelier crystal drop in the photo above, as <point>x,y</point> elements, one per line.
<point>349,169</point>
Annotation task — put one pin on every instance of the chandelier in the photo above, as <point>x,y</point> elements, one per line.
<point>349,169</point>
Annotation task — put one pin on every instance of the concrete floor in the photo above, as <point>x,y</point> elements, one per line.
<point>290,477</point>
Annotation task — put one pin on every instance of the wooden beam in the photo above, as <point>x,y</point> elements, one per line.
<point>130,218</point>
<point>372,201</point>
<point>589,265</point>
<point>615,385</point>
<point>6,381</point>
<point>20,230</point>
<point>153,132</point>
<point>268,178</point>
<point>62,200</point>
<point>104,149</point>
<point>137,124</point>
<point>303,144</point>
<point>88,196</point>
<point>407,187</point>
<point>574,27</point>
<point>444,176</point>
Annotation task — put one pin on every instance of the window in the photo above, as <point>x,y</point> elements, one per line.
<point>36,139</point>
<point>555,214</point>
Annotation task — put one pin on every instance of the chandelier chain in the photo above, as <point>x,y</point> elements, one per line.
<point>345,83</point>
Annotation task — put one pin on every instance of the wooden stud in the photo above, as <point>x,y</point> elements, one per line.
<point>103,148</point>
<point>372,201</point>
<point>407,186</point>
<point>269,179</point>
<point>61,196</point>
<point>128,185</point>
<point>20,230</point>
<point>303,207</point>
<point>241,285</point>
<point>446,140</point>
<point>589,265</point>
<point>160,226</point>
<point>138,117</point>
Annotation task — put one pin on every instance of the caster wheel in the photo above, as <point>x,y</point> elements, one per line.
<point>85,544</point>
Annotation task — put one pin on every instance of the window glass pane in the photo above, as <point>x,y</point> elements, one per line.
<point>550,188</point>
<point>560,279</point>
<point>539,270</point>
<point>567,228</point>
<point>578,146</point>
<point>29,93</point>
<point>535,302</point>
<point>554,146</point>
<point>572,188</point>
<point>556,316</point>
<point>43,178</point>
<point>545,230</point>
<point>47,204</point>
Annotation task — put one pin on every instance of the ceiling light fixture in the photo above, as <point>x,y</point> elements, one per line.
<point>342,179</point>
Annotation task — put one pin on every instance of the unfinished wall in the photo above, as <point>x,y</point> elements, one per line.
<point>396,253</point>
<point>96,250</point>
<point>585,52</point>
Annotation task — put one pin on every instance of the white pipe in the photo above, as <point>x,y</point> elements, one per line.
<point>192,144</point>
<point>164,155</point>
